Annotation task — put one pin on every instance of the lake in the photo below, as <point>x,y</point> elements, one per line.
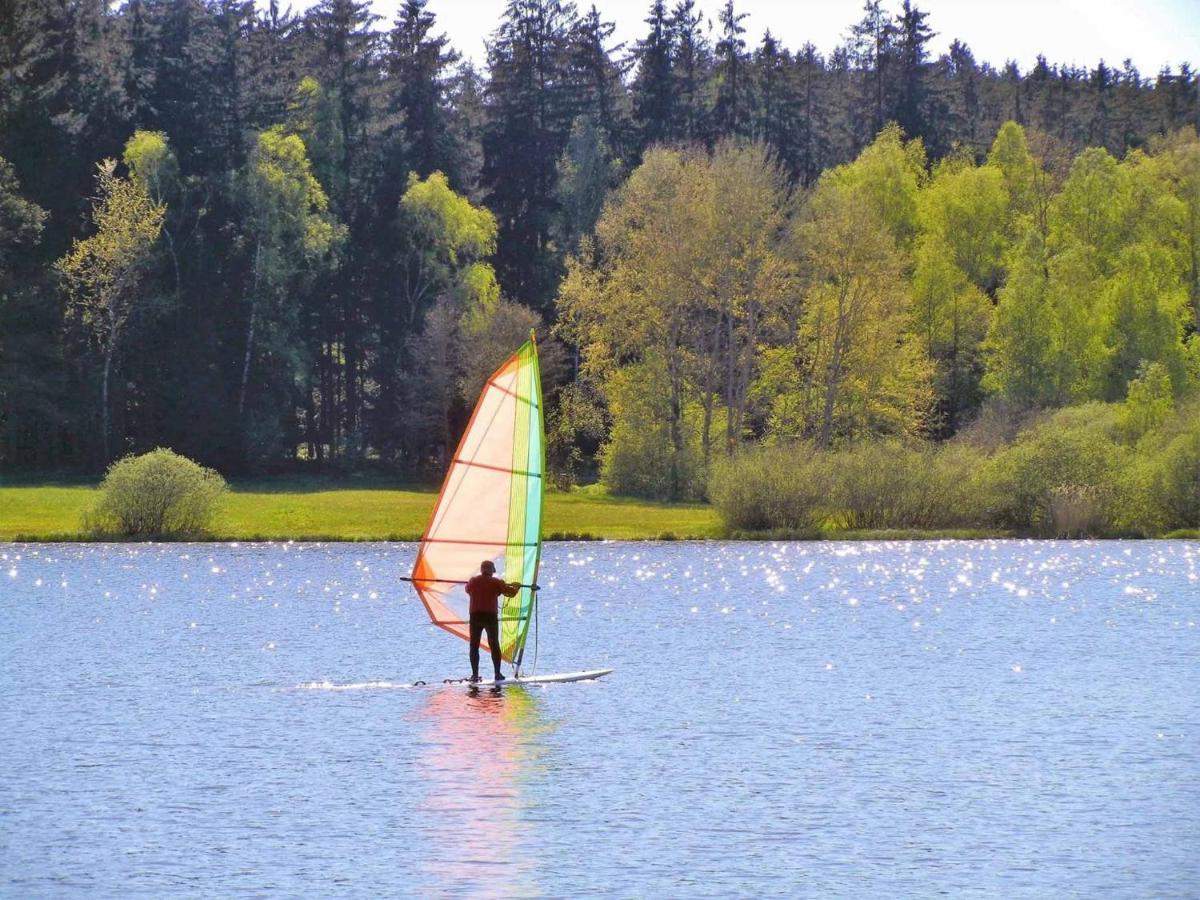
<point>985,718</point>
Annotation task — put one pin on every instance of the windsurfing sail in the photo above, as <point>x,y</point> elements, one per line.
<point>490,506</point>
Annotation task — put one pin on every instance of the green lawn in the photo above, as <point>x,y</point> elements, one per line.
<point>282,510</point>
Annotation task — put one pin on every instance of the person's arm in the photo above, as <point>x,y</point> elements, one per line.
<point>509,590</point>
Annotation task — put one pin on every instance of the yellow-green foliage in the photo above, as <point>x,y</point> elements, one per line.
<point>647,453</point>
<point>150,161</point>
<point>1069,460</point>
<point>289,203</point>
<point>1163,483</point>
<point>1100,275</point>
<point>686,273</point>
<point>1176,482</point>
<point>157,494</point>
<point>101,272</point>
<point>881,485</point>
<point>889,485</point>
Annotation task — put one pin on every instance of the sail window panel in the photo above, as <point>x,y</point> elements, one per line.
<point>488,441</point>
<point>473,507</point>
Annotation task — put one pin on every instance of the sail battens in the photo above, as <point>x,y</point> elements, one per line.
<point>522,472</point>
<point>496,543</point>
<point>516,397</point>
<point>490,505</point>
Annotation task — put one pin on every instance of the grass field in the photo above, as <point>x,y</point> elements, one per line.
<point>310,510</point>
<point>292,509</point>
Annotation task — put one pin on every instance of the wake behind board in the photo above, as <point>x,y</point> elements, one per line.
<point>590,675</point>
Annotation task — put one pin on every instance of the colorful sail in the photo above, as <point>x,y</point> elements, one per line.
<point>490,506</point>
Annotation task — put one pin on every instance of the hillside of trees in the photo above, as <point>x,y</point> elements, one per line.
<point>271,241</point>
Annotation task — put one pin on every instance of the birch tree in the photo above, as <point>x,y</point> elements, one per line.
<point>101,273</point>
<point>291,231</point>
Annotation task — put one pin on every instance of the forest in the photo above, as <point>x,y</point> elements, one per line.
<point>278,242</point>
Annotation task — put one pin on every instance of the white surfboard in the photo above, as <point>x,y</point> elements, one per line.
<point>590,675</point>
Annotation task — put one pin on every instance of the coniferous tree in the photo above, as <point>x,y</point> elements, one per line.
<point>692,62</point>
<point>775,104</point>
<point>872,49</point>
<point>529,118</point>
<point>960,95</point>
<point>913,112</point>
<point>816,117</point>
<point>594,80</point>
<point>731,112</point>
<point>419,64</point>
<point>653,91</point>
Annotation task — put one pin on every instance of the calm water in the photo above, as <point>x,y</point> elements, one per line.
<point>869,719</point>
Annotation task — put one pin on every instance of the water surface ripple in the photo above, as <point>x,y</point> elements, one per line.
<point>988,718</point>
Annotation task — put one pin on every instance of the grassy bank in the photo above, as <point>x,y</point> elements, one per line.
<point>318,510</point>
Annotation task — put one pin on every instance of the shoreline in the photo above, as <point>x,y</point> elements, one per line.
<point>856,536</point>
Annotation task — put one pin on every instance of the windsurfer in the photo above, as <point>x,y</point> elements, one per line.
<point>485,589</point>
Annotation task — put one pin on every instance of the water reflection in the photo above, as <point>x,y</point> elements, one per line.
<point>481,750</point>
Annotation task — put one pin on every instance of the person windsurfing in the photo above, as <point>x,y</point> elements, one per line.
<point>485,589</point>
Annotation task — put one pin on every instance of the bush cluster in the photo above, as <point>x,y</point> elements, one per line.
<point>771,488</point>
<point>157,494</point>
<point>1076,472</point>
<point>796,488</point>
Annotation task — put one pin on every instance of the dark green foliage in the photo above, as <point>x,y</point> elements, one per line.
<point>559,115</point>
<point>731,114</point>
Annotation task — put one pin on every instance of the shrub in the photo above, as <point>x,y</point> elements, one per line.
<point>1177,480</point>
<point>1066,466</point>
<point>778,487</point>
<point>157,494</point>
<point>885,485</point>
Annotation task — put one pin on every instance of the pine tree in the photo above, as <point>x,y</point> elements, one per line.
<point>815,115</point>
<point>775,106</point>
<point>962,95</point>
<point>529,119</point>
<point>731,114</point>
<point>418,63</point>
<point>594,80</point>
<point>692,64</point>
<point>653,94</point>
<point>872,49</point>
<point>912,60</point>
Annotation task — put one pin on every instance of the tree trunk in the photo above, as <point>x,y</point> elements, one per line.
<point>246,363</point>
<point>108,359</point>
<point>250,330</point>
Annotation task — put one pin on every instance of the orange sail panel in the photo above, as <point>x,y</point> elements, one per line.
<point>490,506</point>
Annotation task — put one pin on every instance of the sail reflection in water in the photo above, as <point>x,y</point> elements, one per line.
<point>479,751</point>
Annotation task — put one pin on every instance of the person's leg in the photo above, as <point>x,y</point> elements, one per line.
<point>493,633</point>
<point>476,621</point>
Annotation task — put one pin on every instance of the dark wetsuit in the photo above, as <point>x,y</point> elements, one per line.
<point>484,591</point>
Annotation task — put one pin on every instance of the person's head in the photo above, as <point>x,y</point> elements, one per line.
<point>487,567</point>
